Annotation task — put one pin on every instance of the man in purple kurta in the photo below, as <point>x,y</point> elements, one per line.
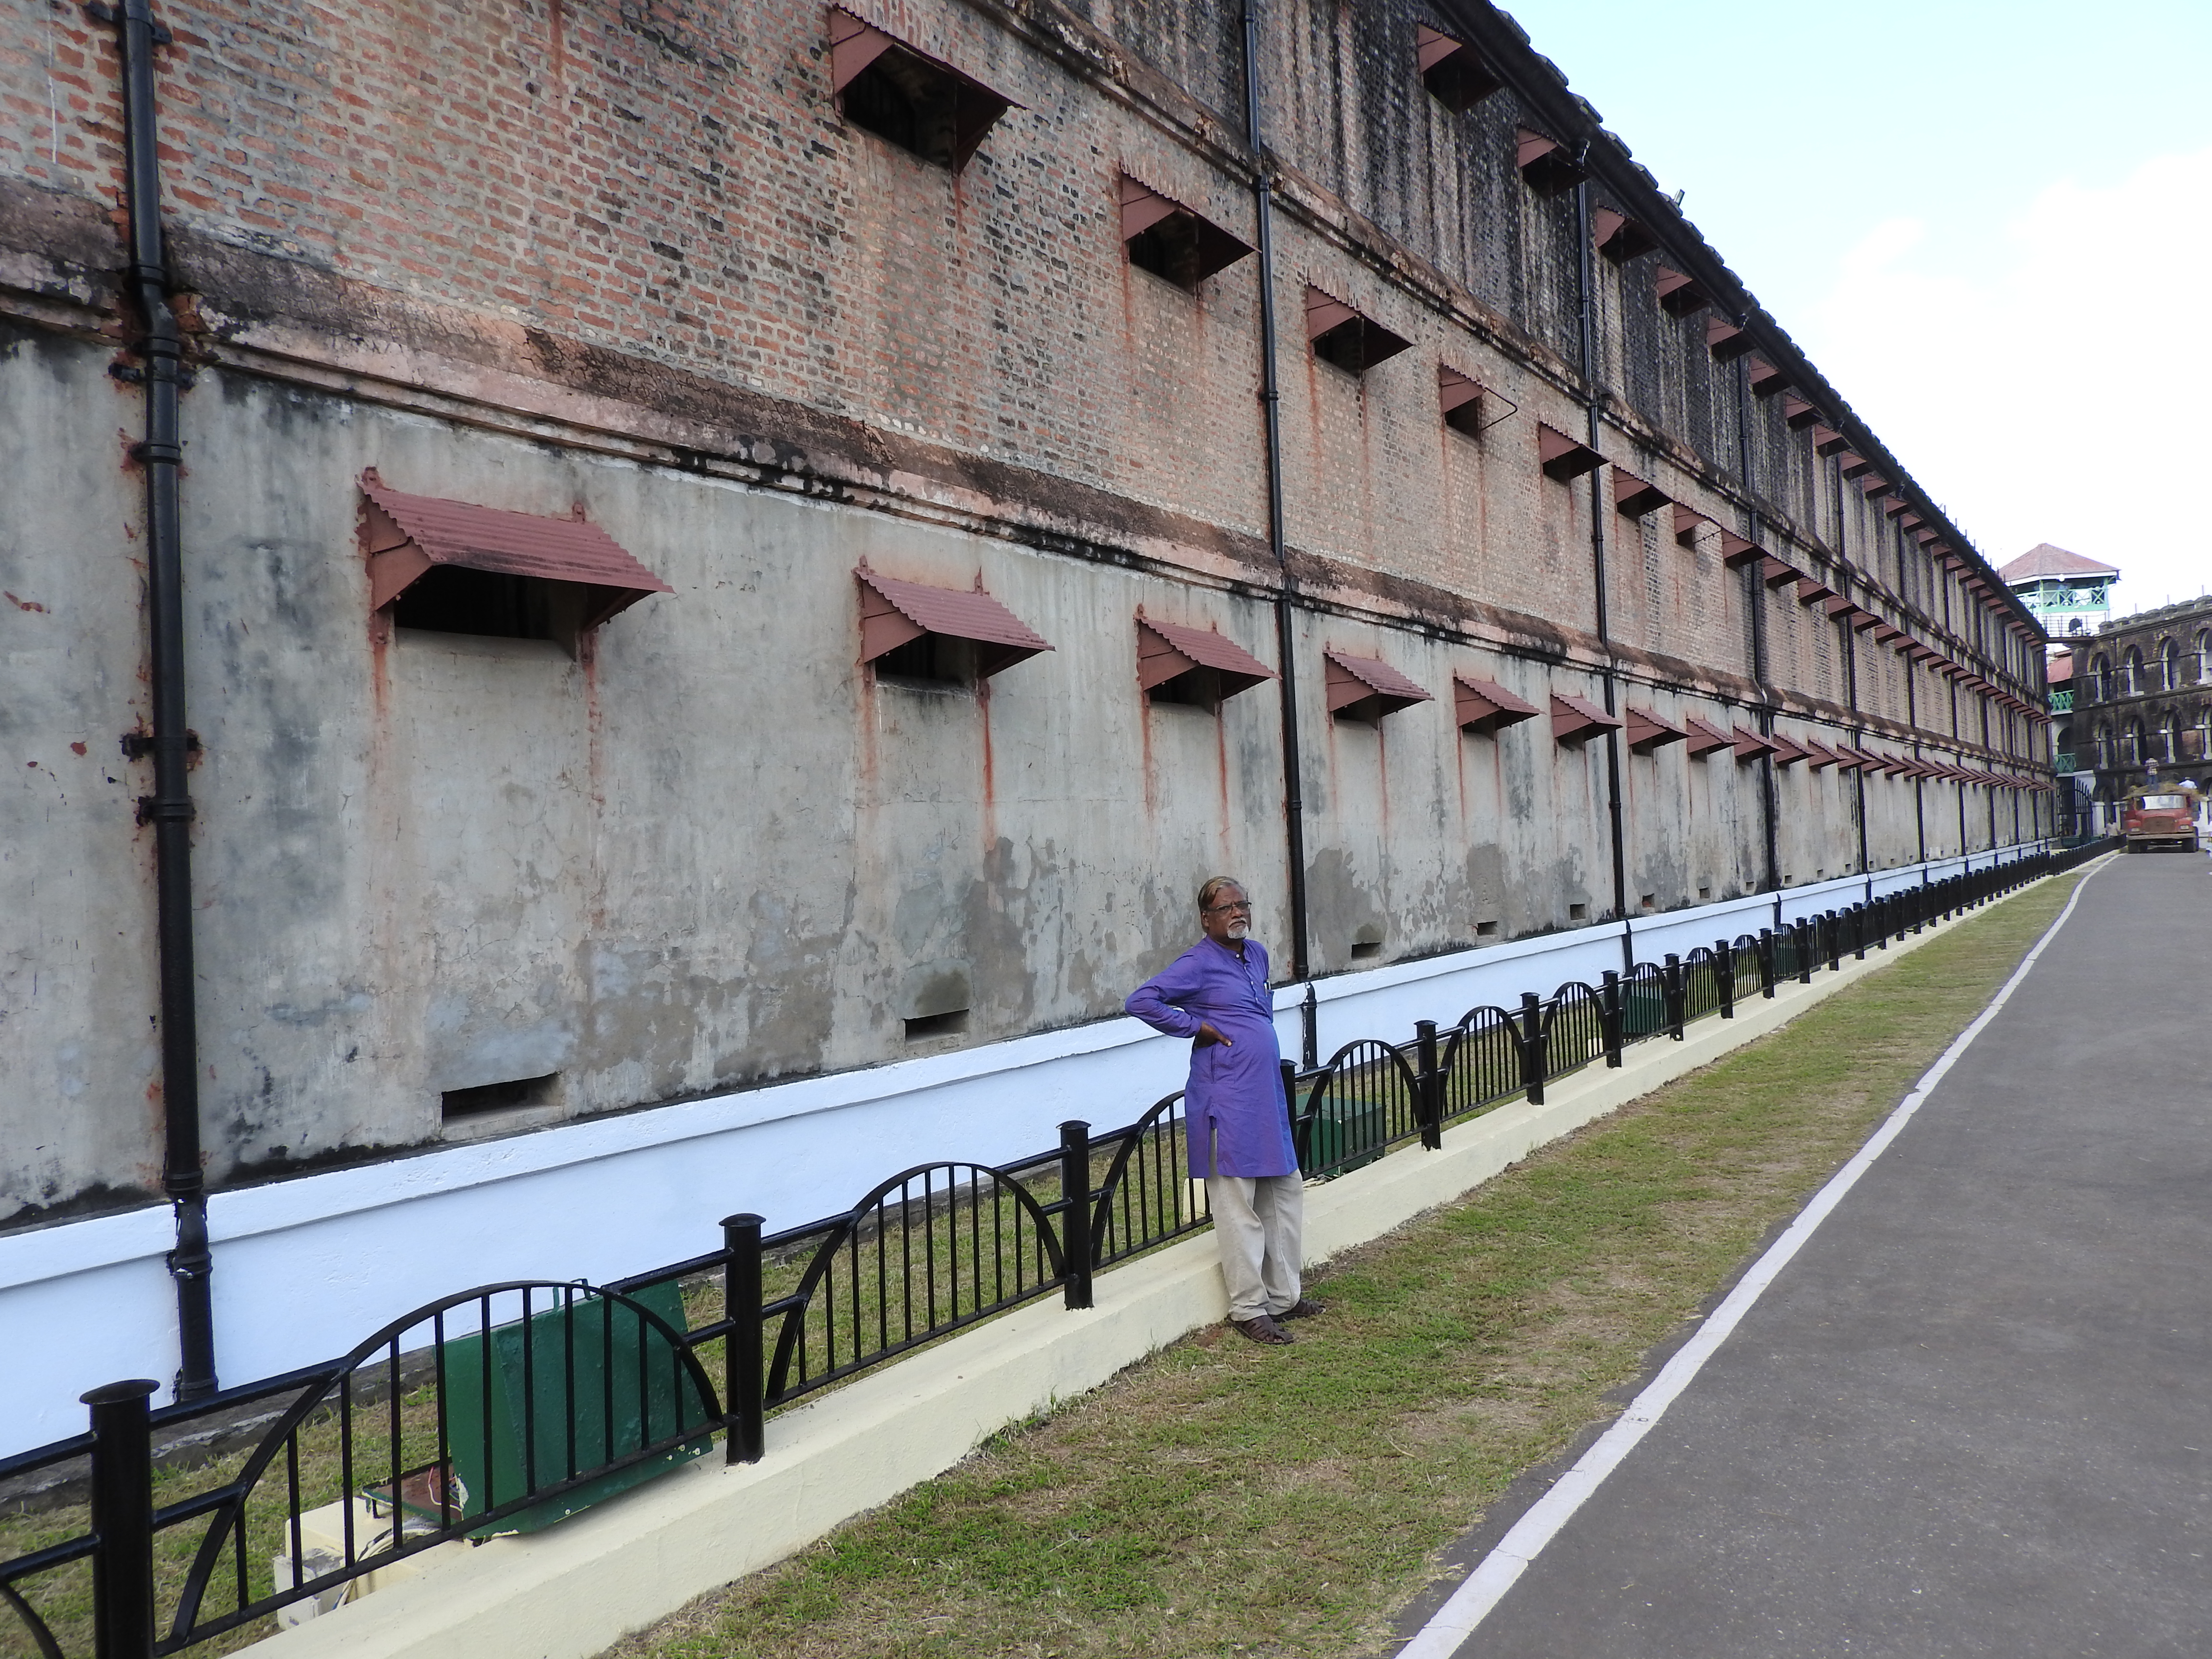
<point>1236,1122</point>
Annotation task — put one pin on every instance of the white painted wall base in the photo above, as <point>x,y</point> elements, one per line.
<point>306,1267</point>
<point>576,1588</point>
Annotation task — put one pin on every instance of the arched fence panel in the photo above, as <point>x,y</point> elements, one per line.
<point>1365,1101</point>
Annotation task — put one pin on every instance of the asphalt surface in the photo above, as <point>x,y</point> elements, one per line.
<point>1973,1416</point>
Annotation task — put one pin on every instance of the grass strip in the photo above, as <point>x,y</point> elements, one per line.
<point>1224,1498</point>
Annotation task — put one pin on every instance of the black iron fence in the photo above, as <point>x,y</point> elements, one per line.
<point>507,1406</point>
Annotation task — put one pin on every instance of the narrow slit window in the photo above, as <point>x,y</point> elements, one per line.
<point>485,1099</point>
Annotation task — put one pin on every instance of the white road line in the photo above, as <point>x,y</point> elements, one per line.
<point>1471,1603</point>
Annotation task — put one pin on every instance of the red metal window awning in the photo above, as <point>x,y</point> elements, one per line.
<point>1645,731</point>
<point>1687,522</point>
<point>1704,737</point>
<point>1798,413</point>
<point>1173,241</point>
<point>1863,619</point>
<point>1367,689</point>
<point>929,107</point>
<point>1463,400</point>
<point>1343,336</point>
<point>1168,651</point>
<point>1765,378</point>
<point>1749,745</point>
<point>1561,456</point>
<point>894,613</point>
<point>1811,590</point>
<point>1487,707</point>
<point>1544,161</point>
<point>1632,498</point>
<point>1681,297</point>
<point>1725,340</point>
<point>1735,550</point>
<point>408,536</point>
<point>1452,70</point>
<point>1787,752</point>
<point>1820,754</point>
<point>1837,604</point>
<point>1774,572</point>
<point>1577,719</point>
<point>1619,237</point>
<point>1826,440</point>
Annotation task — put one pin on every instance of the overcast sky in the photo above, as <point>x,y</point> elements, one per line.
<point>1989,224</point>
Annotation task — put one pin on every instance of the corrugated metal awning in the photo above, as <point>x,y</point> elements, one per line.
<point>1820,754</point>
<point>1749,745</point>
<point>1213,250</point>
<point>1487,707</point>
<point>1687,522</point>
<point>1632,497</point>
<point>410,534</point>
<point>855,46</point>
<point>1166,650</point>
<point>1786,752</point>
<point>1705,736</point>
<point>894,613</point>
<point>1646,731</point>
<point>1369,686</point>
<point>1561,456</point>
<point>1577,719</point>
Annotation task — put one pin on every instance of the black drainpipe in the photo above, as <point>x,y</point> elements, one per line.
<point>1754,588</point>
<point>1585,283</point>
<point>1271,403</point>
<point>169,808</point>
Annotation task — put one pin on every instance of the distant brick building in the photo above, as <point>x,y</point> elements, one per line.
<point>2143,699</point>
<point>732,544</point>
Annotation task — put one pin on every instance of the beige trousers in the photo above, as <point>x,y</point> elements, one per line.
<point>1258,1223</point>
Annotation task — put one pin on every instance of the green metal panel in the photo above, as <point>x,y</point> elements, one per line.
<point>595,1366</point>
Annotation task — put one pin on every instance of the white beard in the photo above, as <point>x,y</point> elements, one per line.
<point>1239,929</point>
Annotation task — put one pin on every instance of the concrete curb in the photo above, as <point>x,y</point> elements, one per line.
<point>575,1590</point>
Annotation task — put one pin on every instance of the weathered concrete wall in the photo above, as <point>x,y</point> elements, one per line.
<point>674,286</point>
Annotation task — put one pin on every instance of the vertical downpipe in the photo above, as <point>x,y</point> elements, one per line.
<point>1271,405</point>
<point>1585,287</point>
<point>169,808</point>
<point>1754,587</point>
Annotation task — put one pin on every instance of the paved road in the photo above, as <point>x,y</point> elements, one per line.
<point>1973,1416</point>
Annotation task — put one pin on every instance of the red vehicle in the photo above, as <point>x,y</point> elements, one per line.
<point>2157,816</point>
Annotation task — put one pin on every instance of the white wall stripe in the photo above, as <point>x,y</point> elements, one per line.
<point>1496,1573</point>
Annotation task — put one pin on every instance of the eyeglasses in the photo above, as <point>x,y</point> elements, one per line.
<point>1244,905</point>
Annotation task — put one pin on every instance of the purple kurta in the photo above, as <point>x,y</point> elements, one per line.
<point>1234,1104</point>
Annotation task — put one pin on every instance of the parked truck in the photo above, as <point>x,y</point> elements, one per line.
<point>2161,815</point>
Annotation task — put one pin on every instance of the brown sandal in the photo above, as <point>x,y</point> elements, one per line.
<point>1261,1329</point>
<point>1304,1308</point>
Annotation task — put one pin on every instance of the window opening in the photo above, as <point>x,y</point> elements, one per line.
<point>1576,720</point>
<point>496,1097</point>
<point>1452,69</point>
<point>1561,456</point>
<point>1681,297</point>
<point>1646,732</point>
<point>1464,401</point>
<point>1170,241</point>
<point>1485,707</point>
<point>1619,237</point>
<point>1341,336</point>
<point>950,1023</point>
<point>906,97</point>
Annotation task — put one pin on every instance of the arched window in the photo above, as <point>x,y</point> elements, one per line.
<point>2131,745</point>
<point>2131,680</point>
<point>2104,745</point>
<point>2100,678</point>
<point>2192,737</point>
<point>2168,734</point>
<point>2203,650</point>
<point>2169,665</point>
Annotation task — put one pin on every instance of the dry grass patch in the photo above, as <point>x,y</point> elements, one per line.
<point>1224,1499</point>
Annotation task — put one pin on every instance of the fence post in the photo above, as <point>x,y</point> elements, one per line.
<point>1429,1100</point>
<point>1608,1015</point>
<point>1670,977</point>
<point>1808,938</point>
<point>1858,914</point>
<point>1532,1047</point>
<point>1833,949</point>
<point>1766,963</point>
<point>1724,972</point>
<point>1075,1209</point>
<point>744,1410</point>
<point>122,1520</point>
